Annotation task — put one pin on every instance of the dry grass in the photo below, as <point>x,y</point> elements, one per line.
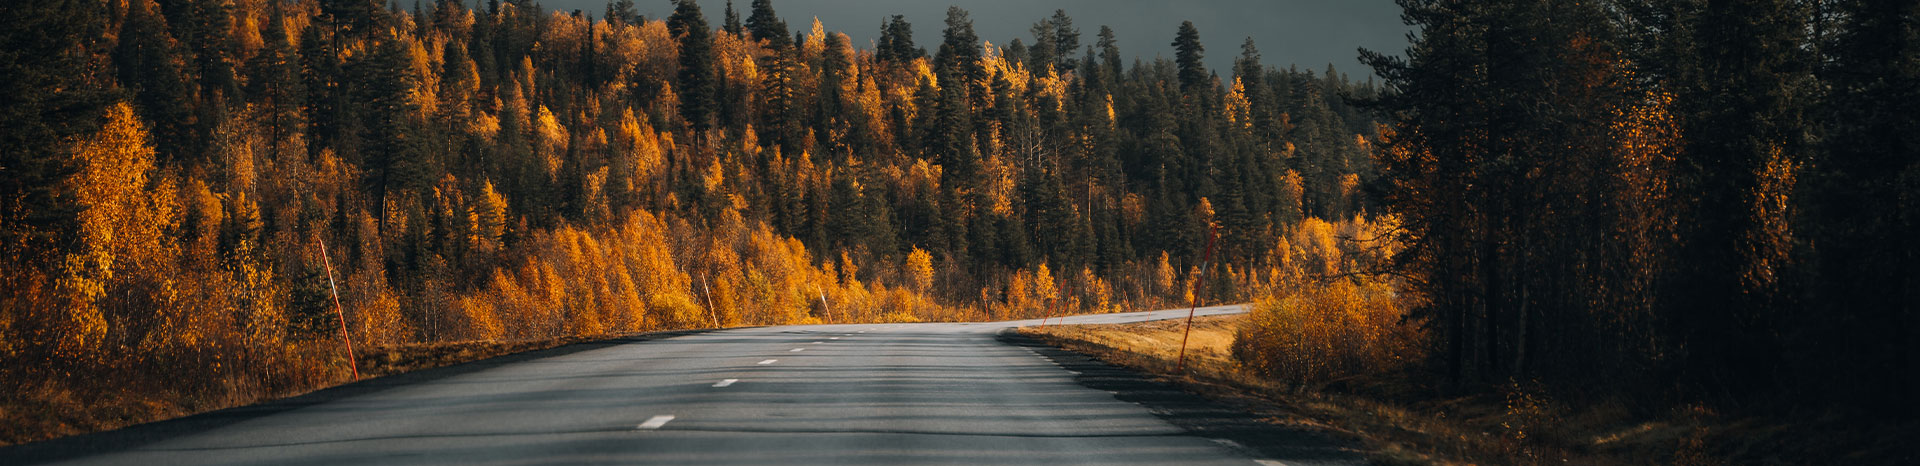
<point>1154,346</point>
<point>397,359</point>
<point>1402,421</point>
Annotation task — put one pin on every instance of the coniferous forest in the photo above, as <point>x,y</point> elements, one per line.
<point>504,172</point>
<point>1712,202</point>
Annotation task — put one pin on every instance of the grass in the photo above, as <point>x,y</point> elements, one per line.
<point>1402,420</point>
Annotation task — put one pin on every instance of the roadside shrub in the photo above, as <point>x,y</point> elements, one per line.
<point>1323,332</point>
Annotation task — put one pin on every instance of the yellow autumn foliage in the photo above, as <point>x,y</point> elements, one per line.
<point>1321,315</point>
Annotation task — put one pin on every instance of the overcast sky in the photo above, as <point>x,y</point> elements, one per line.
<point>1309,33</point>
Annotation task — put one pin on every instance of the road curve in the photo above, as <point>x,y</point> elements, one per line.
<point>840,394</point>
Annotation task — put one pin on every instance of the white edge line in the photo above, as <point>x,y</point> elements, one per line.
<point>655,422</point>
<point>769,361</point>
<point>796,350</point>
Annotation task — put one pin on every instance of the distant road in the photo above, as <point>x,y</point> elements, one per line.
<point>843,394</point>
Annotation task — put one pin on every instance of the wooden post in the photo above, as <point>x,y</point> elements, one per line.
<point>711,312</point>
<point>826,307</point>
<point>337,310</point>
<point>1206,262</point>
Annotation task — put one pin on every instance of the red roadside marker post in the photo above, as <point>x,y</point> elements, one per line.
<point>338,311</point>
<point>1206,262</point>
<point>1049,315</point>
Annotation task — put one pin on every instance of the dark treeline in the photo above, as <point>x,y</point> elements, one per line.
<point>499,171</point>
<point>1648,192</point>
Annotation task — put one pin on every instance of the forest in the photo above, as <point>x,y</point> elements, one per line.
<point>1700,201</point>
<point>187,182</point>
<point>1693,201</point>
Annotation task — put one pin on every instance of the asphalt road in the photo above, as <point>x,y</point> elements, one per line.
<point>842,394</point>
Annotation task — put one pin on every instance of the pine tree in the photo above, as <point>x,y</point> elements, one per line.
<point>732,23</point>
<point>1863,198</point>
<point>1745,98</point>
<point>622,12</point>
<point>321,77</point>
<point>354,18</point>
<point>1044,46</point>
<point>48,95</point>
<point>1110,53</point>
<point>1189,54</point>
<point>274,81</point>
<point>783,112</point>
<point>1066,41</point>
<point>958,61</point>
<point>395,150</point>
<point>696,83</point>
<point>896,41</point>
<point>1252,76</point>
<point>767,25</point>
<point>146,60</point>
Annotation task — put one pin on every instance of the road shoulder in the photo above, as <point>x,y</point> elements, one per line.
<point>1236,422</point>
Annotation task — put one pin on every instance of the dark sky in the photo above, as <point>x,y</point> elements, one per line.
<point>1310,33</point>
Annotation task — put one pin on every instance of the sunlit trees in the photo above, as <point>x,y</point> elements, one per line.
<point>920,269</point>
<point>125,213</point>
<point>511,173</point>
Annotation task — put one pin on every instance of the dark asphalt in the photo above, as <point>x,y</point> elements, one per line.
<point>839,394</point>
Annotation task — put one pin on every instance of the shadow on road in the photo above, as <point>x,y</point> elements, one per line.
<point>144,434</point>
<point>1197,414</point>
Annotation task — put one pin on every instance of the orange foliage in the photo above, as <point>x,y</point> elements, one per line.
<point>1322,316</point>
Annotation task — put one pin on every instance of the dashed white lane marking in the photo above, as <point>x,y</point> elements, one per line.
<point>656,421</point>
<point>818,342</point>
<point>796,350</point>
<point>769,361</point>
<point>1269,463</point>
<point>724,383</point>
<point>834,338</point>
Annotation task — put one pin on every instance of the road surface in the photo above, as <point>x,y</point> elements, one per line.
<point>843,394</point>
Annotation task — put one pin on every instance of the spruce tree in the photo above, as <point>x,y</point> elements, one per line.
<point>767,25</point>
<point>273,80</point>
<point>146,59</point>
<point>1110,53</point>
<point>1743,103</point>
<point>696,83</point>
<point>622,12</point>
<point>394,150</point>
<point>1044,46</point>
<point>732,22</point>
<point>1865,194</point>
<point>1066,41</point>
<point>1190,55</point>
<point>321,76</point>
<point>896,41</point>
<point>48,95</point>
<point>959,55</point>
